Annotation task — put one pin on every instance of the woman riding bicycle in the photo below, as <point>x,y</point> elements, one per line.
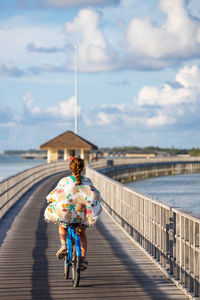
<point>74,200</point>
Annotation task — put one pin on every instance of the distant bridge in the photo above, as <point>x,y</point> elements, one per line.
<point>153,249</point>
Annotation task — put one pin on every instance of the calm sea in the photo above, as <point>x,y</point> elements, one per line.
<point>178,190</point>
<point>10,165</point>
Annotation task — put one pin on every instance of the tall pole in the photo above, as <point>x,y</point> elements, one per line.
<point>76,89</point>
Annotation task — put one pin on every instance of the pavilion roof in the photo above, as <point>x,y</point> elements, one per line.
<point>68,140</point>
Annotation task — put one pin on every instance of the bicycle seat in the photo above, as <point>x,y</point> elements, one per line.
<point>75,225</point>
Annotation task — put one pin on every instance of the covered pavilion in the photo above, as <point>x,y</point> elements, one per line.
<point>71,143</point>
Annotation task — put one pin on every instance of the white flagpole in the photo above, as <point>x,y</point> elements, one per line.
<point>76,89</point>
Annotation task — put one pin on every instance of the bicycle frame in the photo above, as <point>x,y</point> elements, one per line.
<point>72,235</point>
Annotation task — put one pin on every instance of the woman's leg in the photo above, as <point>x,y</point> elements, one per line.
<point>62,234</point>
<point>63,249</point>
<point>83,238</point>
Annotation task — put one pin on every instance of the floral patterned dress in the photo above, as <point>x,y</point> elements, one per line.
<point>73,203</point>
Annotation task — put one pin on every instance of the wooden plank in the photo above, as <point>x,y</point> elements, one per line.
<point>117,269</point>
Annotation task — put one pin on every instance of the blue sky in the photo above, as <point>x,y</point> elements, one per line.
<point>139,71</point>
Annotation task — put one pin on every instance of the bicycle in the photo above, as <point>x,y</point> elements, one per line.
<point>72,258</point>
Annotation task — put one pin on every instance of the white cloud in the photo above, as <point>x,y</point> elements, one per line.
<point>64,109</point>
<point>17,33</point>
<point>103,44</point>
<point>71,3</point>
<point>94,53</point>
<point>189,77</point>
<point>172,104</point>
<point>175,104</point>
<point>167,96</point>
<point>30,106</point>
<point>28,44</point>
<point>177,38</point>
<point>62,112</point>
<point>163,97</point>
<point>105,118</point>
<point>154,116</point>
<point>161,119</point>
<point>36,124</point>
<point>10,69</point>
<point>31,47</point>
<point>56,3</point>
<point>143,46</point>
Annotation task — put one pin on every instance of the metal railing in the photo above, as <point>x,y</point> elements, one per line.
<point>170,235</point>
<point>138,171</point>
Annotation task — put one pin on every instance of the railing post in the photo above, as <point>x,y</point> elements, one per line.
<point>182,256</point>
<point>171,234</point>
<point>196,259</point>
<point>191,256</point>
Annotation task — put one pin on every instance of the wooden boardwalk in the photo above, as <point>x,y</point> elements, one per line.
<point>30,270</point>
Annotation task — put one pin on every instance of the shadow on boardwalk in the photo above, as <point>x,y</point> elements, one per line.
<point>40,264</point>
<point>117,268</point>
<point>137,274</point>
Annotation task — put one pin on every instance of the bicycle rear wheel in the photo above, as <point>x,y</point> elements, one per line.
<point>66,268</point>
<point>76,268</point>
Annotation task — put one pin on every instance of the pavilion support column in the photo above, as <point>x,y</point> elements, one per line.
<point>52,155</point>
<point>82,154</point>
<point>66,154</point>
<point>48,156</point>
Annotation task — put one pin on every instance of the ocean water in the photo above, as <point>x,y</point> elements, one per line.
<point>177,190</point>
<point>11,165</point>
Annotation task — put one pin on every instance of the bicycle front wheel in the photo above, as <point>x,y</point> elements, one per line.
<point>76,268</point>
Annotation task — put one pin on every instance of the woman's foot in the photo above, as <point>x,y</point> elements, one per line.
<point>84,264</point>
<point>62,251</point>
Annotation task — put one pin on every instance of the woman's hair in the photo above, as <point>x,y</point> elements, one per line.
<point>76,166</point>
